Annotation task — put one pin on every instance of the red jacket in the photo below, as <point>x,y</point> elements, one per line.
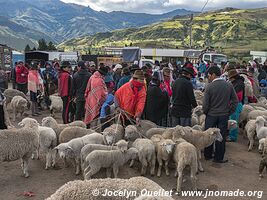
<point>22,74</point>
<point>64,84</point>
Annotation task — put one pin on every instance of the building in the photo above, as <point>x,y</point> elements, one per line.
<point>261,56</point>
<point>5,57</point>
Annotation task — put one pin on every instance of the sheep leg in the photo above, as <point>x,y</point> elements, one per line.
<point>132,163</point>
<point>179,178</point>
<point>91,172</point>
<point>48,159</point>
<point>193,171</point>
<point>200,168</point>
<point>115,171</point>
<point>152,165</point>
<point>25,166</point>
<point>53,155</point>
<point>166,167</point>
<point>144,166</point>
<point>77,164</point>
<point>251,143</point>
<point>14,114</point>
<point>108,172</point>
<point>160,166</point>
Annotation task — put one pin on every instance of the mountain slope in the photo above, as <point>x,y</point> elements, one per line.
<point>231,30</point>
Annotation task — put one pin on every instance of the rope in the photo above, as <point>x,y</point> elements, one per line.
<point>98,126</point>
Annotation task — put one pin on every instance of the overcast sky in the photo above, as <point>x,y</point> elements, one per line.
<point>162,6</point>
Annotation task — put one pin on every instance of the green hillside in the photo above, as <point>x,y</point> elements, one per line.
<point>235,32</point>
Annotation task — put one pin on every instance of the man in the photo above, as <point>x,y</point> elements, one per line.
<point>131,97</point>
<point>95,95</point>
<point>183,98</point>
<point>80,80</point>
<point>220,101</point>
<point>64,89</point>
<point>22,77</point>
<point>239,86</point>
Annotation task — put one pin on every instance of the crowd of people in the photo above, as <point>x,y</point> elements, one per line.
<point>163,93</point>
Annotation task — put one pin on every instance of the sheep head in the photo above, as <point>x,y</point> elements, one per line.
<point>260,121</point>
<point>109,137</point>
<point>216,133</point>
<point>29,123</point>
<point>133,152</point>
<point>198,110</point>
<point>178,133</point>
<point>122,145</point>
<point>131,133</point>
<point>49,122</point>
<point>63,150</point>
<point>168,145</point>
<point>23,103</point>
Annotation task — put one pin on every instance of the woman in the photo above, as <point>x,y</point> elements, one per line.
<point>34,86</point>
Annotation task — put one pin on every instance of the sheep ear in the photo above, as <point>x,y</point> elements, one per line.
<point>21,124</point>
<point>69,148</point>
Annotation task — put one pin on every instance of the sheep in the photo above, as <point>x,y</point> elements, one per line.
<point>200,139</point>
<point>198,116</point>
<point>262,100</point>
<point>199,96</point>
<point>81,190</point>
<point>198,127</point>
<point>56,104</point>
<point>10,93</point>
<point>164,150</point>
<point>255,113</point>
<point>108,159</point>
<point>154,131</point>
<point>72,149</point>
<point>19,143</point>
<point>113,134</point>
<point>263,164</point>
<point>122,145</point>
<point>259,105</point>
<point>244,114</point>
<point>6,116</point>
<point>250,130</point>
<point>194,120</point>
<point>145,125</point>
<point>131,133</point>
<point>18,105</point>
<point>47,141</point>
<point>146,154</point>
<point>185,154</point>
<point>168,133</point>
<point>72,132</point>
<point>58,128</point>
<point>261,130</point>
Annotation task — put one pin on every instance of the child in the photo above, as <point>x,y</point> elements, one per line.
<point>263,88</point>
<point>106,107</point>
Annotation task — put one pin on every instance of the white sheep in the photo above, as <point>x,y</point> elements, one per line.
<point>146,154</point>
<point>83,190</point>
<point>199,96</point>
<point>19,143</point>
<point>72,149</point>
<point>164,150</point>
<point>108,159</point>
<point>56,104</point>
<point>113,134</point>
<point>10,93</point>
<point>198,127</point>
<point>6,115</point>
<point>255,113</point>
<point>200,139</point>
<point>122,145</point>
<point>185,154</point>
<point>131,133</point>
<point>18,105</point>
<point>250,131</point>
<point>199,116</point>
<point>58,128</point>
<point>244,114</point>
<point>72,132</point>
<point>154,131</point>
<point>261,130</point>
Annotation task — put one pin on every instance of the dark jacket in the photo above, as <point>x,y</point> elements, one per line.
<point>183,98</point>
<point>220,98</point>
<point>156,101</point>
<point>80,80</point>
<point>64,84</point>
<point>239,87</point>
<point>123,80</point>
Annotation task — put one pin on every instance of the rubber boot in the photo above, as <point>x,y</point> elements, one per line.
<point>33,109</point>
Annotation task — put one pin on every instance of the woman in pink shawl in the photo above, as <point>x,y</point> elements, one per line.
<point>95,95</point>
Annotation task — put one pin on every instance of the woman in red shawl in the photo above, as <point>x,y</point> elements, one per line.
<point>95,95</point>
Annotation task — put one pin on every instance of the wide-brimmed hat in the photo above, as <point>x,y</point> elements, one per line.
<point>118,66</point>
<point>232,73</point>
<point>92,64</point>
<point>126,71</point>
<point>166,71</point>
<point>103,70</point>
<point>81,64</point>
<point>65,64</point>
<point>138,74</point>
<point>189,70</point>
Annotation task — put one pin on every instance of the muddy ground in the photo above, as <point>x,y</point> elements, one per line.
<point>241,172</point>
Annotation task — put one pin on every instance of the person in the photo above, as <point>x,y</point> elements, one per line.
<point>3,116</point>
<point>239,86</point>
<point>131,98</point>
<point>95,95</point>
<point>117,73</point>
<point>50,82</point>
<point>202,68</point>
<point>183,98</point>
<point>220,101</point>
<point>156,101</point>
<point>80,80</point>
<point>34,86</point>
<point>92,67</point>
<point>255,85</point>
<point>126,76</point>
<point>13,76</point>
<point>106,107</point>
<point>3,80</point>
<point>64,89</point>
<point>21,77</point>
<point>263,88</point>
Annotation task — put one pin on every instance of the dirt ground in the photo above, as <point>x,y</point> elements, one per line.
<point>241,172</point>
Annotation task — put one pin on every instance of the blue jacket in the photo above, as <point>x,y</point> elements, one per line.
<point>123,80</point>
<point>109,101</point>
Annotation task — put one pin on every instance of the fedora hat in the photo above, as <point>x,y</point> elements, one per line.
<point>138,74</point>
<point>166,71</point>
<point>103,70</point>
<point>232,73</point>
<point>189,70</point>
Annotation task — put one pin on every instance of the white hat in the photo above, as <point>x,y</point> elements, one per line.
<point>136,62</point>
<point>118,66</point>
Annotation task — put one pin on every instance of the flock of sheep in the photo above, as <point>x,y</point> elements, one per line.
<point>152,146</point>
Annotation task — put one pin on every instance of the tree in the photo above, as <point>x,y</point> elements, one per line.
<point>33,49</point>
<point>42,45</point>
<point>51,46</point>
<point>27,48</point>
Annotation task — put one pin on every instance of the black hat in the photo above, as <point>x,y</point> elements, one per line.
<point>65,64</point>
<point>81,64</point>
<point>103,70</point>
<point>134,67</point>
<point>34,65</point>
<point>189,70</point>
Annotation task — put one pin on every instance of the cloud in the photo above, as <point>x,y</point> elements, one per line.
<point>161,6</point>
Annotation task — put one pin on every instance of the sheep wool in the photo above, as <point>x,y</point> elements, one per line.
<point>18,105</point>
<point>72,132</point>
